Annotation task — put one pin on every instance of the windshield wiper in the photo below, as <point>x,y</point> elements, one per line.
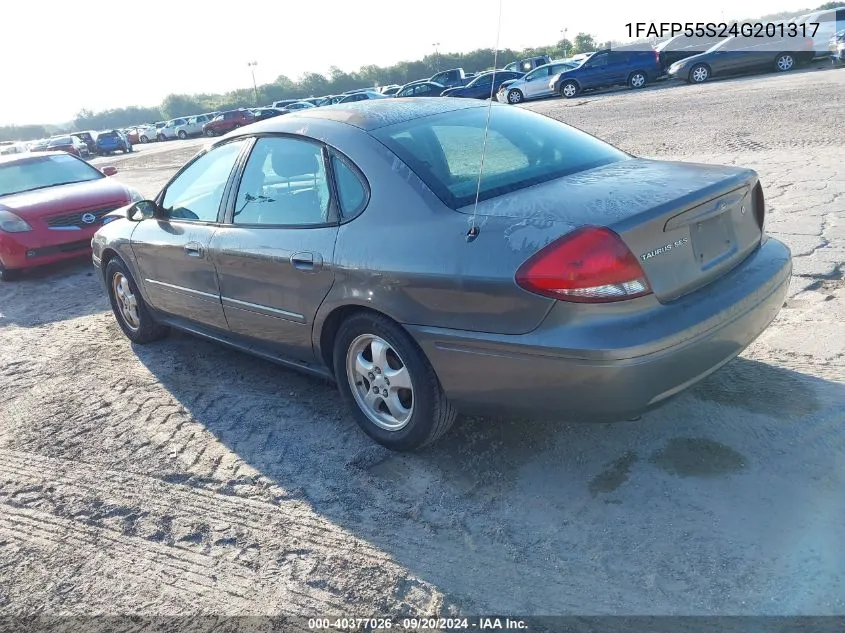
<point>57,184</point>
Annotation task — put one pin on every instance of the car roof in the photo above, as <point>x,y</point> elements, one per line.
<point>371,114</point>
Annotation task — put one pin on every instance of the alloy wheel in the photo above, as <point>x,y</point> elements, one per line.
<point>785,62</point>
<point>699,74</point>
<point>127,304</point>
<point>380,382</point>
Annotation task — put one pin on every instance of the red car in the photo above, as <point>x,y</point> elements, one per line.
<point>51,204</point>
<point>228,121</point>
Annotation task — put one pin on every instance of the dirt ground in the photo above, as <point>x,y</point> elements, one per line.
<point>183,477</point>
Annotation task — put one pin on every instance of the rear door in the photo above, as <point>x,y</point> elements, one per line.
<point>173,251</point>
<point>274,256</point>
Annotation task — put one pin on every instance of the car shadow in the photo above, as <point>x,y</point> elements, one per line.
<point>688,510</point>
<point>56,292</point>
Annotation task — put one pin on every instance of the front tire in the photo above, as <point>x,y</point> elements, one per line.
<point>183,135</point>
<point>389,385</point>
<point>8,275</point>
<point>132,314</point>
<point>785,62</point>
<point>699,73</point>
<point>209,133</point>
<point>515,96</point>
<point>144,139</point>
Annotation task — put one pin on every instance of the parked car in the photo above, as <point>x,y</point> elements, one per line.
<point>193,125</point>
<point>837,47</point>
<point>149,132</point>
<point>680,47</point>
<point>528,64</point>
<point>268,113</point>
<point>452,77</point>
<point>70,144</point>
<point>298,105</point>
<point>38,146</point>
<point>11,147</point>
<point>422,88</point>
<point>50,206</point>
<point>111,141</point>
<point>532,85</point>
<point>484,86</point>
<point>738,55</point>
<point>390,90</point>
<point>829,21</point>
<point>633,67</point>
<point>168,131</point>
<point>87,137</point>
<point>228,121</point>
<point>284,103</point>
<point>561,301</point>
<point>362,96</point>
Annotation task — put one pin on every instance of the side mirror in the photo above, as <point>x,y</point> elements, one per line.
<point>141,210</point>
<point>109,170</point>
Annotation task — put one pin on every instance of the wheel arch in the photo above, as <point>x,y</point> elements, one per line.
<point>327,327</point>
<point>570,80</point>
<point>709,68</point>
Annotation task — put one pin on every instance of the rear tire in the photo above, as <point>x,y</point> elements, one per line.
<point>418,415</point>
<point>637,79</point>
<point>785,62</point>
<point>126,300</point>
<point>569,89</point>
<point>209,133</point>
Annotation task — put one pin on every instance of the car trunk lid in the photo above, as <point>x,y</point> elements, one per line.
<point>687,224</point>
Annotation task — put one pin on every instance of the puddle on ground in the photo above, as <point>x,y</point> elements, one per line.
<point>698,457</point>
<point>759,388</point>
<point>614,475</point>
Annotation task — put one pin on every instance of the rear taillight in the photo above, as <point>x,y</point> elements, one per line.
<point>590,265</point>
<point>759,206</point>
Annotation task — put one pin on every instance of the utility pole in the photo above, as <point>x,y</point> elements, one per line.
<point>252,66</point>
<point>565,43</point>
<point>436,56</point>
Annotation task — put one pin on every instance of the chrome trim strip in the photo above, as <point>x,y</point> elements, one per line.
<point>182,289</point>
<point>261,308</point>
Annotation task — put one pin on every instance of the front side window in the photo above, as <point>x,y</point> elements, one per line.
<point>523,149</point>
<point>196,193</point>
<point>284,184</point>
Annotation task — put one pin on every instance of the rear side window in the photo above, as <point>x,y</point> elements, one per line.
<point>523,149</point>
<point>350,189</point>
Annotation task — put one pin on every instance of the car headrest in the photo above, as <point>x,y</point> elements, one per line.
<point>295,162</point>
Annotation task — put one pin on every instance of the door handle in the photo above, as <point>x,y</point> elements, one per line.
<point>194,249</point>
<point>306,262</point>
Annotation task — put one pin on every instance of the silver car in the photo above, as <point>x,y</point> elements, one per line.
<point>534,84</point>
<point>346,241</point>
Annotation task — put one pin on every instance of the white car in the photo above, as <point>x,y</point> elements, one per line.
<point>193,125</point>
<point>148,133</point>
<point>820,26</point>
<point>168,131</point>
<point>534,84</point>
<point>363,96</point>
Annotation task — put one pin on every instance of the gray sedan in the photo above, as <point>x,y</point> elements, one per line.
<point>357,242</point>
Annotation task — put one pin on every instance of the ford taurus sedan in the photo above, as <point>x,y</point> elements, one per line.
<point>51,204</point>
<point>585,284</point>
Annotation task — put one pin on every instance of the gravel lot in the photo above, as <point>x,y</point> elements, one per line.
<point>183,477</point>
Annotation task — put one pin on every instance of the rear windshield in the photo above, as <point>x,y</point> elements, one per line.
<point>107,135</point>
<point>523,149</point>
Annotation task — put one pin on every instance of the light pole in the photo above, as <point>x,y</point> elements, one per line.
<point>436,56</point>
<point>252,66</point>
<point>565,43</point>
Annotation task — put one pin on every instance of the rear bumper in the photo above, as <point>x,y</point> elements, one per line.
<point>626,364</point>
<point>39,248</point>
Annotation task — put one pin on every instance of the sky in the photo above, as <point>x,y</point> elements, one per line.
<point>59,57</point>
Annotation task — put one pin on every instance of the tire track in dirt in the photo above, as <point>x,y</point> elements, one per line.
<point>282,552</point>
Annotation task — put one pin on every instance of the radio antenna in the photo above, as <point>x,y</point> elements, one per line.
<point>473,229</point>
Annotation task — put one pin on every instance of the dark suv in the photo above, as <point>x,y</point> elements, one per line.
<point>228,121</point>
<point>609,67</point>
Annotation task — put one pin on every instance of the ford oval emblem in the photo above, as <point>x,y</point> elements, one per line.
<point>89,218</point>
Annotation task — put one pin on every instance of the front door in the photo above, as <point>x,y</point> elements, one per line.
<point>537,82</point>
<point>172,250</point>
<point>275,254</point>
